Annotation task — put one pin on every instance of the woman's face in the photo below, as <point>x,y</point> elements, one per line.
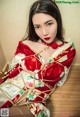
<point>45,27</point>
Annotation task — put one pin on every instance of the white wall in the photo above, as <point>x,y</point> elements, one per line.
<point>13,23</point>
<point>14,18</point>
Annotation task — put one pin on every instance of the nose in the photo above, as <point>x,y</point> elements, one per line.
<point>44,31</point>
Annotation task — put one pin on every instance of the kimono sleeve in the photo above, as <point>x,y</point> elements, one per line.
<point>65,59</point>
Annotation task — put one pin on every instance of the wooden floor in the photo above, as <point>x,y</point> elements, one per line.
<point>66,99</point>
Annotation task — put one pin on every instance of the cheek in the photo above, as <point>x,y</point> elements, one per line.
<point>53,31</point>
<point>38,32</point>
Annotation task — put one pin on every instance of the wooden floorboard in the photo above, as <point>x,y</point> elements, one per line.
<point>65,100</point>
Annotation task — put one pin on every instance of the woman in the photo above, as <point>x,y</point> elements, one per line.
<point>42,60</point>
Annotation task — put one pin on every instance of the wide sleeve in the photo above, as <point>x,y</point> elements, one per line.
<point>21,52</point>
<point>65,59</point>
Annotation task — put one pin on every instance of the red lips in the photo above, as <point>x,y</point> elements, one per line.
<point>47,38</point>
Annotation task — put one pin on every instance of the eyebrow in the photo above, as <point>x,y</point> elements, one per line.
<point>48,21</point>
<point>44,23</point>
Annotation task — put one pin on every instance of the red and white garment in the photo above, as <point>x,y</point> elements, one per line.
<point>30,74</point>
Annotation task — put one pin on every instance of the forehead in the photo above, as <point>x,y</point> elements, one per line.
<point>40,18</point>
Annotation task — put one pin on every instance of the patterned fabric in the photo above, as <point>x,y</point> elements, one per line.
<point>35,78</point>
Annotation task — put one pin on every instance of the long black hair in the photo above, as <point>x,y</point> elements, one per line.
<point>48,7</point>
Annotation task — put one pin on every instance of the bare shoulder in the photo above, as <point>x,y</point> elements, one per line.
<point>27,42</point>
<point>30,43</point>
<point>36,46</point>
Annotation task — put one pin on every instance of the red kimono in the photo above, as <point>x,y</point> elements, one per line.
<point>31,76</point>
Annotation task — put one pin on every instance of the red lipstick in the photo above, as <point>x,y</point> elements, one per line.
<point>47,38</point>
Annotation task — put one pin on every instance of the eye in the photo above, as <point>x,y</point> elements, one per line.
<point>49,23</point>
<point>36,27</point>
